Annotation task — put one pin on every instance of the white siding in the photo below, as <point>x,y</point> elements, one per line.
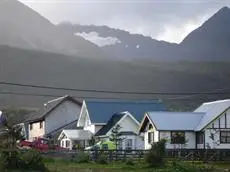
<point>129,125</point>
<point>156,136</point>
<point>36,131</point>
<point>190,138</point>
<point>64,114</point>
<point>209,130</point>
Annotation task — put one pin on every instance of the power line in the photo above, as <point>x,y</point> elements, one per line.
<point>113,92</point>
<point>94,97</point>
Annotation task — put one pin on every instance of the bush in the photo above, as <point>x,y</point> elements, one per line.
<point>82,157</point>
<point>3,161</point>
<point>32,159</point>
<point>155,156</point>
<point>102,159</point>
<point>130,161</point>
<point>181,166</point>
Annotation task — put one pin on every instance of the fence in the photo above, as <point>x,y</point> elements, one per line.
<point>184,154</point>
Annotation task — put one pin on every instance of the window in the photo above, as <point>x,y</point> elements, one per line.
<point>31,126</point>
<point>129,144</point>
<point>224,136</point>
<point>67,143</point>
<point>150,137</point>
<point>200,137</point>
<point>177,137</point>
<point>41,124</point>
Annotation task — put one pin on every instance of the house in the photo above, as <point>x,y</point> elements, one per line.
<point>70,138</point>
<point>207,127</point>
<point>98,116</point>
<point>128,132</point>
<point>59,113</point>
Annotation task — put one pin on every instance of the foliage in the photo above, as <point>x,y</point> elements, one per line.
<point>82,157</point>
<point>130,161</point>
<point>102,158</point>
<point>115,136</point>
<point>32,159</point>
<point>29,160</point>
<point>154,157</point>
<point>182,166</point>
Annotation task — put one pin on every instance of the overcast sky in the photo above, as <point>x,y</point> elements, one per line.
<point>169,20</point>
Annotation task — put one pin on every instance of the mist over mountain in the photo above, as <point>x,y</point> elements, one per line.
<point>35,51</point>
<point>22,27</point>
<point>211,41</point>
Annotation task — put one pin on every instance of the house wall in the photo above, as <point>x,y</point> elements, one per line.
<point>190,138</point>
<point>127,124</point>
<point>36,131</point>
<point>64,114</point>
<point>222,123</point>
<point>148,145</point>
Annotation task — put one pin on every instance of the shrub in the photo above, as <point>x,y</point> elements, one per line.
<point>155,156</point>
<point>3,161</point>
<point>130,161</point>
<point>102,159</point>
<point>32,159</point>
<point>181,166</point>
<point>82,157</point>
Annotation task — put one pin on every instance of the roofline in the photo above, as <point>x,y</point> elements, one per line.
<point>50,110</point>
<point>99,123</point>
<point>217,101</point>
<point>35,120</point>
<point>215,118</point>
<point>146,115</point>
<point>122,118</point>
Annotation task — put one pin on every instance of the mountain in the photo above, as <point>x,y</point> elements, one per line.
<point>211,41</point>
<point>130,46</point>
<point>22,27</point>
<point>50,69</point>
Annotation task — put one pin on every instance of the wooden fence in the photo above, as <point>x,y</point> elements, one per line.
<point>184,154</point>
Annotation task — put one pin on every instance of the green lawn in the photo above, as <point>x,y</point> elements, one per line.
<point>66,166</point>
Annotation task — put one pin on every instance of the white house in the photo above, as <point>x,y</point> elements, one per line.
<point>95,115</point>
<point>128,132</point>
<point>58,114</point>
<point>70,138</point>
<point>207,127</point>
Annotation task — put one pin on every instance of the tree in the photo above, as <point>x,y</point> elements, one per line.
<point>9,133</point>
<point>115,136</point>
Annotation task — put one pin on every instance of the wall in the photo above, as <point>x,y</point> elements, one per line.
<point>214,128</point>
<point>148,145</point>
<point>64,114</point>
<point>36,130</point>
<point>190,138</point>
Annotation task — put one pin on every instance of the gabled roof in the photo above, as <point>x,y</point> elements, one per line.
<point>110,124</point>
<point>212,111</point>
<point>100,111</point>
<point>41,114</point>
<point>77,134</point>
<point>175,121</point>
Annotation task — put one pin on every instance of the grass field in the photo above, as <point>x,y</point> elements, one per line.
<point>67,166</point>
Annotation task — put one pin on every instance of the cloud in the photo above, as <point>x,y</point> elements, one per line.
<point>96,39</point>
<point>175,33</point>
<point>169,20</point>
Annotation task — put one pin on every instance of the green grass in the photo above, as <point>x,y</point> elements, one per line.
<point>58,165</point>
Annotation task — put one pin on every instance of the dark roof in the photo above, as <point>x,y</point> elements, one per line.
<point>72,125</point>
<point>113,120</point>
<point>41,114</point>
<point>100,111</point>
